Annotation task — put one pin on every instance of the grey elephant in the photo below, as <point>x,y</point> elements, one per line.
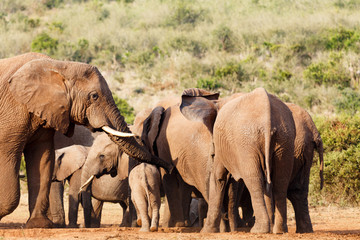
<point>145,182</point>
<point>39,96</point>
<point>188,146</point>
<point>253,138</point>
<point>98,188</point>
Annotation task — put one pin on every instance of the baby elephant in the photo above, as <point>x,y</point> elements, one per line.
<point>144,181</point>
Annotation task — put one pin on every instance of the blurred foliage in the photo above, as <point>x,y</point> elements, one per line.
<point>341,140</point>
<point>43,43</point>
<point>125,109</point>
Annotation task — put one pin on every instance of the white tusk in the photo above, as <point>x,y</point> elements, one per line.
<point>116,133</point>
<point>86,184</point>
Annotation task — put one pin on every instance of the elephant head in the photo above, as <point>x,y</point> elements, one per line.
<point>68,160</point>
<point>103,157</point>
<point>59,94</point>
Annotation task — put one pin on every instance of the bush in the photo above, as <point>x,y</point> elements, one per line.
<point>185,14</point>
<point>341,140</point>
<point>231,69</point>
<point>342,39</point>
<point>349,102</point>
<point>208,83</point>
<point>125,109</point>
<point>225,38</point>
<point>44,43</point>
<point>329,73</point>
<point>182,43</point>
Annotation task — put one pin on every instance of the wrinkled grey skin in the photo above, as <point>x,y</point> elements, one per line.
<point>39,96</point>
<point>104,154</point>
<point>253,139</point>
<point>145,181</point>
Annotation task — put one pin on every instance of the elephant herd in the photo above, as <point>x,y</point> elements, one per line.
<point>249,149</point>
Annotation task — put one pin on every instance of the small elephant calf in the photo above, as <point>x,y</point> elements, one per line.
<point>144,181</point>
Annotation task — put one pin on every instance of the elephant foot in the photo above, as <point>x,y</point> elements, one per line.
<point>179,224</point>
<point>260,228</point>
<point>206,229</point>
<point>39,222</point>
<point>72,225</point>
<point>153,229</point>
<point>144,229</point>
<point>280,229</point>
<point>138,222</point>
<point>304,229</point>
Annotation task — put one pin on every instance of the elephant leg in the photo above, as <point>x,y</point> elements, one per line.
<point>283,166</point>
<point>74,186</point>
<point>96,213</point>
<point>40,158</point>
<point>132,212</point>
<point>233,211</point>
<point>256,186</point>
<point>246,207</point>
<point>87,207</point>
<point>202,208</point>
<point>173,192</point>
<point>125,222</point>
<point>155,202</point>
<point>9,183</point>
<point>186,201</point>
<point>141,205</point>
<point>217,188</point>
<point>56,209</point>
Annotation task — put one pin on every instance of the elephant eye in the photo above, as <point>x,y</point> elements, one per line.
<point>94,96</point>
<point>101,157</point>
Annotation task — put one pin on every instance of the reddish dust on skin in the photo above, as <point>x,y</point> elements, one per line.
<point>328,223</point>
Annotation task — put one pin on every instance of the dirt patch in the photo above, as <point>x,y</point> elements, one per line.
<point>328,222</point>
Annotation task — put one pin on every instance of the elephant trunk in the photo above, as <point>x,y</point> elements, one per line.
<point>131,146</point>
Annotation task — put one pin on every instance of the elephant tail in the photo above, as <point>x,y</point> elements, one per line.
<point>320,150</point>
<point>268,134</point>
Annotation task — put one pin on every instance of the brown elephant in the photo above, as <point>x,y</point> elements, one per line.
<point>307,140</point>
<point>253,138</point>
<point>188,146</point>
<point>38,96</point>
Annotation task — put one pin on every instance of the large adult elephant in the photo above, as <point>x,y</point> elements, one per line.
<point>254,140</point>
<point>39,95</point>
<point>188,146</point>
<point>307,140</point>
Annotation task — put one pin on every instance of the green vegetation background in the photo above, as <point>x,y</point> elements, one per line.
<point>305,52</point>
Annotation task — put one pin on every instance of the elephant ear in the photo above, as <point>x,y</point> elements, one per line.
<point>69,160</point>
<point>151,127</point>
<point>199,105</point>
<point>40,86</point>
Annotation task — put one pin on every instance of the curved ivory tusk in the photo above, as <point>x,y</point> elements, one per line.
<point>116,133</point>
<point>86,184</point>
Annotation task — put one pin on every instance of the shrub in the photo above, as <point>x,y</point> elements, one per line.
<point>208,83</point>
<point>125,109</point>
<point>328,73</point>
<point>44,43</point>
<point>196,48</point>
<point>225,38</point>
<point>349,102</point>
<point>341,140</point>
<point>52,3</point>
<point>281,75</point>
<point>231,69</point>
<point>185,14</point>
<point>341,39</point>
